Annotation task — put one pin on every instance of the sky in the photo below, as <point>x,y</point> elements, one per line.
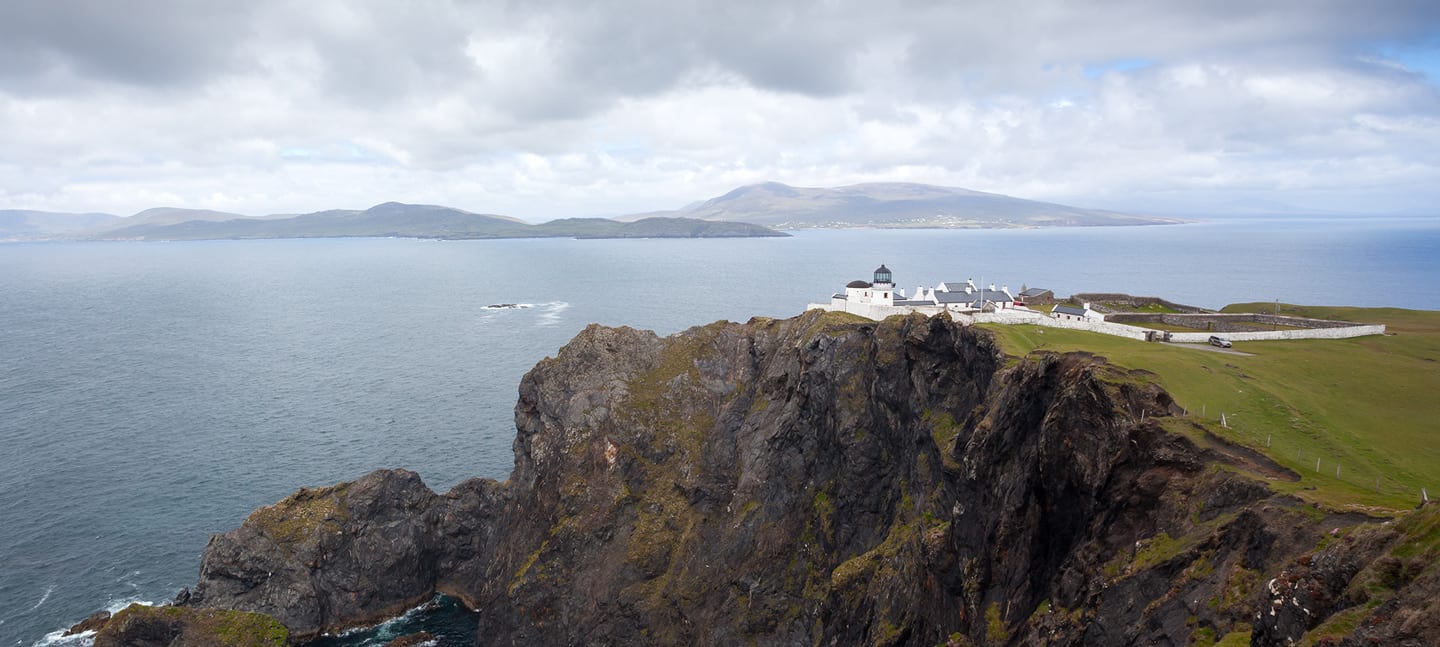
<point>544,109</point>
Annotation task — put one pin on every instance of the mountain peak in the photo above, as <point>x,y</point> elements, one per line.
<point>894,205</point>
<point>174,215</point>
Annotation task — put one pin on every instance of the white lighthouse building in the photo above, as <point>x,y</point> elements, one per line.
<point>880,292</point>
<point>879,298</point>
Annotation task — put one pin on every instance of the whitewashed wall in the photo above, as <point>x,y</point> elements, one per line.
<point>1014,316</point>
<point>1264,335</point>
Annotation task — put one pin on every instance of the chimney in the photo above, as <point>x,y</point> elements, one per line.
<point>1085,305</point>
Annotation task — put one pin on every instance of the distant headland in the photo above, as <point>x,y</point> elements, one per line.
<point>757,210</point>
<point>895,205</point>
<point>390,219</point>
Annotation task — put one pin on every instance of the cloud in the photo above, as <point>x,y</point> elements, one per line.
<point>548,109</point>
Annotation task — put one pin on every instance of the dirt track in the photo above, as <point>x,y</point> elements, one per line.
<point>1213,349</point>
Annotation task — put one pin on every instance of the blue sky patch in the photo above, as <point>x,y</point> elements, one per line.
<point>1422,59</point>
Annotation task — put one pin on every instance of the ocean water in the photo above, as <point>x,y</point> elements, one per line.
<point>152,394</point>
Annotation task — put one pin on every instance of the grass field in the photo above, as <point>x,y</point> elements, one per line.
<point>1369,406</point>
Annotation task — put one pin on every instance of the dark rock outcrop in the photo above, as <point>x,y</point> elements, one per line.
<point>1373,585</point>
<point>818,480</point>
<point>327,559</point>
<point>92,623</point>
<point>172,626</point>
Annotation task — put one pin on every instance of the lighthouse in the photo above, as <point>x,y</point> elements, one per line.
<point>882,289</point>
<point>882,277</point>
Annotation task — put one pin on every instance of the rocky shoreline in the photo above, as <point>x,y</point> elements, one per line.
<point>822,480</point>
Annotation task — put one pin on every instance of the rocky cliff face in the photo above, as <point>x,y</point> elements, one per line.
<point>817,480</point>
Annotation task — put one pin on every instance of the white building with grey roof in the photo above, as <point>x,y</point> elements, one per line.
<point>880,298</point>
<point>1082,312</point>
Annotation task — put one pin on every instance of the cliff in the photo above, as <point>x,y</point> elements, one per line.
<point>826,480</point>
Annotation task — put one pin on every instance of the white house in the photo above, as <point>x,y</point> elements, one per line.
<point>1072,313</point>
<point>970,296</point>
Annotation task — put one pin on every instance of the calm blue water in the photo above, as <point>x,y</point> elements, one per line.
<point>154,393</point>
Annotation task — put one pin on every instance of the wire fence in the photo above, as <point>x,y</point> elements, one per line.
<point>1310,463</point>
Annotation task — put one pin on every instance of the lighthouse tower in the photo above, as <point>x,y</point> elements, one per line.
<point>883,287</point>
<point>882,275</point>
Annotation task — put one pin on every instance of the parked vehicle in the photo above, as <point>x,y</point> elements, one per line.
<point>1219,341</point>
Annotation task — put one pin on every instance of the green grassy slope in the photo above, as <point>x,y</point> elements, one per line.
<point>1369,406</point>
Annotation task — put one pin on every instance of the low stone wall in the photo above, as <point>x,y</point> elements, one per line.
<point>1040,319</point>
<point>879,312</point>
<point>1345,332</point>
<point>1335,329</point>
<point>1226,323</point>
<point>1132,301</point>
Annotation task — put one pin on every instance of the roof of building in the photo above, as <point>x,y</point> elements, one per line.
<point>858,284</point>
<point>960,296</point>
<point>953,286</point>
<point>1033,292</point>
<point>882,268</point>
<point>1069,310</point>
<point>956,297</point>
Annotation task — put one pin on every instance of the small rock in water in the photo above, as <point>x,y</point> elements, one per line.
<point>92,623</point>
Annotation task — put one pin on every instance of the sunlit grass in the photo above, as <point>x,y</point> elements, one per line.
<point>1369,406</point>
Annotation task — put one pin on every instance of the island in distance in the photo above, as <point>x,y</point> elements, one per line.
<point>751,211</point>
<point>391,219</point>
<point>894,205</point>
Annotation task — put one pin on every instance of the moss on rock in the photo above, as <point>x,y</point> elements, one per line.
<point>185,626</point>
<point>303,514</point>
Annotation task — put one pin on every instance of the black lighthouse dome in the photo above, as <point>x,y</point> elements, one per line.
<point>882,274</point>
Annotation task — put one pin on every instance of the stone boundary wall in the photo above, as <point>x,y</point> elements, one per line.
<point>1312,333</point>
<point>1226,323</point>
<point>1132,301</point>
<point>879,312</point>
<point>1039,319</point>
<point>1340,330</point>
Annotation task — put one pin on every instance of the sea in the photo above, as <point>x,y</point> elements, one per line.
<point>152,394</point>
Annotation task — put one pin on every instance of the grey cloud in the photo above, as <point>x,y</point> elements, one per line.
<point>47,46</point>
<point>602,51</point>
<point>605,51</point>
<point>714,92</point>
<point>999,48</point>
<point>378,52</point>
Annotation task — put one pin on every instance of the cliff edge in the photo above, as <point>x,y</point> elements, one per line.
<point>826,480</point>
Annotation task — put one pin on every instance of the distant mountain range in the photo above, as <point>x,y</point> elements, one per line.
<point>22,224</point>
<point>388,219</point>
<point>893,205</point>
<point>748,211</point>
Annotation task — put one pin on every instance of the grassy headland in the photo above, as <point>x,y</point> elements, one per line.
<point>1367,406</point>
